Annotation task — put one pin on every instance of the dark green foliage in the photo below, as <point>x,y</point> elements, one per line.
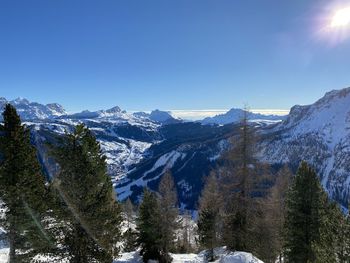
<point>22,190</point>
<point>308,237</point>
<point>336,235</point>
<point>130,240</point>
<point>168,214</point>
<point>343,241</point>
<point>149,237</point>
<point>210,216</point>
<point>236,224</point>
<point>157,221</point>
<point>206,231</point>
<point>85,199</point>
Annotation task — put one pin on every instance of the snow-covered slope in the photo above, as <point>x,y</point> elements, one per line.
<point>124,137</point>
<point>140,149</point>
<point>124,143</point>
<point>189,150</point>
<point>33,110</point>
<point>320,134</point>
<point>222,255</point>
<point>134,257</point>
<point>235,115</point>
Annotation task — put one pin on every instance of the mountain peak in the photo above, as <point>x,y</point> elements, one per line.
<point>338,92</point>
<point>20,100</point>
<point>115,109</point>
<point>235,115</point>
<point>160,116</point>
<point>333,95</point>
<point>57,109</point>
<point>32,110</point>
<point>333,106</point>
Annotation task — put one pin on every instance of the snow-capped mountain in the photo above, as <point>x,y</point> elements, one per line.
<point>123,136</point>
<point>114,115</point>
<point>320,134</point>
<point>32,110</point>
<point>114,112</point>
<point>139,150</point>
<point>160,116</point>
<point>124,144</point>
<point>235,115</point>
<point>163,117</point>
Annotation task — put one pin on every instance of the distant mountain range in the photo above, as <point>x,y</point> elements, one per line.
<point>234,115</point>
<point>32,110</point>
<point>36,111</point>
<point>140,146</point>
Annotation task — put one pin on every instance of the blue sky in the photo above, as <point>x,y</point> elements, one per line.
<point>166,54</point>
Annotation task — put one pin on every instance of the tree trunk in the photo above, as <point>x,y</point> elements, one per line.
<point>211,255</point>
<point>81,238</point>
<point>12,239</point>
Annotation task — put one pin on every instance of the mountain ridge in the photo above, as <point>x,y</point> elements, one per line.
<point>37,111</point>
<point>318,133</point>
<point>235,115</point>
<point>139,149</point>
<point>33,110</point>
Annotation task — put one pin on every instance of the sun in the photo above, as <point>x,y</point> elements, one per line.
<point>341,18</point>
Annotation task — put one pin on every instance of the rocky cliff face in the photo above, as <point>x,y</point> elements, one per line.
<point>320,134</point>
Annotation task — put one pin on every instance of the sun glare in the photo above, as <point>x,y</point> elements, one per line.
<point>333,23</point>
<point>341,18</point>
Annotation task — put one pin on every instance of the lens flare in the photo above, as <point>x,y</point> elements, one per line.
<point>341,18</point>
<point>332,24</point>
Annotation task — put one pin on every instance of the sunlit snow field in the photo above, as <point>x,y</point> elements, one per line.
<point>134,257</point>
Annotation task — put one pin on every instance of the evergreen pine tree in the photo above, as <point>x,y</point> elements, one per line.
<point>168,214</point>
<point>22,190</point>
<point>210,216</point>
<point>305,212</point>
<point>149,236</point>
<point>346,243</point>
<point>87,200</point>
<point>341,225</point>
<point>331,220</point>
<point>130,240</point>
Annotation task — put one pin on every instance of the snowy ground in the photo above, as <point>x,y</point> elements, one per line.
<point>134,257</point>
<point>222,257</point>
<point>4,255</point>
<point>221,254</point>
